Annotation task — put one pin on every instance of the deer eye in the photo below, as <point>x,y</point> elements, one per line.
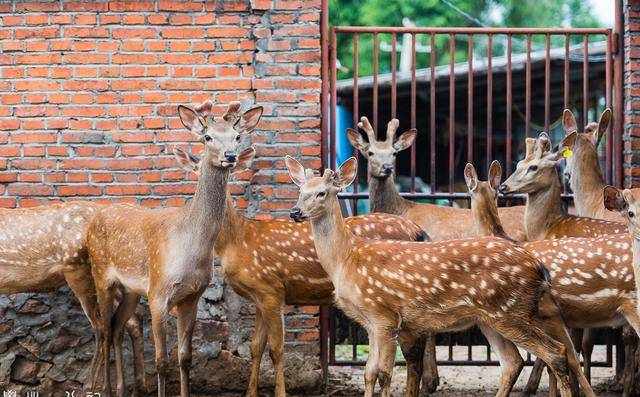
<point>370,153</point>
<point>533,168</point>
<point>631,214</point>
<point>237,138</point>
<point>207,138</point>
<point>321,194</point>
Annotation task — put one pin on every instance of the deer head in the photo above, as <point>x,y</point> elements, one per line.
<point>582,143</point>
<point>537,170</point>
<point>484,199</point>
<point>627,203</point>
<point>381,155</point>
<point>222,138</point>
<point>316,192</point>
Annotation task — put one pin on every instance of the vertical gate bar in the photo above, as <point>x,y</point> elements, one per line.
<point>489,154</point>
<point>585,80</point>
<point>452,108</point>
<point>394,88</point>
<point>567,83</point>
<point>432,114</point>
<point>547,79</point>
<point>610,156</point>
<point>470,99</point>
<point>375,82</point>
<point>488,347</point>
<point>509,104</point>
<point>527,117</point>
<point>618,98</point>
<point>353,330</point>
<point>332,336</point>
<point>326,77</point>
<point>356,104</point>
<point>413,110</point>
<point>334,77</point>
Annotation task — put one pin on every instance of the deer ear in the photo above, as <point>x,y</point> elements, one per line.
<point>245,158</point>
<point>613,199</point>
<point>569,122</point>
<point>568,141</point>
<point>250,119</point>
<point>603,124</point>
<point>495,174</point>
<point>187,161</point>
<point>347,173</point>
<point>296,170</point>
<point>470,177</point>
<point>405,140</point>
<point>357,141</point>
<point>190,119</point>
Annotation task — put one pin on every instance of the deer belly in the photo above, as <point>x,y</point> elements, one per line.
<point>309,291</point>
<point>599,308</point>
<point>17,276</point>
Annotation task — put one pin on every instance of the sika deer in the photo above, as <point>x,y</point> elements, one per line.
<point>582,167</point>
<point>47,251</point>
<point>166,254</point>
<point>433,287</point>
<point>591,278</point>
<point>282,268</point>
<point>441,223</point>
<point>545,217</point>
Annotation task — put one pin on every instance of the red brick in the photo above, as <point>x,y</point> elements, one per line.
<point>79,190</point>
<point>29,190</point>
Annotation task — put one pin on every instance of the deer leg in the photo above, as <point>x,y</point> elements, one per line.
<point>275,336</point>
<point>387,355</point>
<point>511,362</point>
<point>126,308</point>
<point>534,378</point>
<point>413,351</point>
<point>587,351</point>
<point>430,378</point>
<point>371,368</point>
<point>105,301</point>
<point>553,383</point>
<point>81,283</point>
<point>187,311</point>
<point>258,344</point>
<point>134,329</point>
<point>158,312</point>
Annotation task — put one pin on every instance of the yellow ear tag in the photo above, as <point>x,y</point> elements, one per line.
<point>566,153</point>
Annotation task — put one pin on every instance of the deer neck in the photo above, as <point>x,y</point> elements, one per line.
<point>636,260</point>
<point>204,212</point>
<point>486,220</point>
<point>332,239</point>
<point>587,183</point>
<point>384,196</point>
<point>232,225</point>
<point>543,209</point>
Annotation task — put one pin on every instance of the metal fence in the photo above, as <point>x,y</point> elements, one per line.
<point>481,108</point>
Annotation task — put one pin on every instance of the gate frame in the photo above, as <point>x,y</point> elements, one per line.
<point>614,95</point>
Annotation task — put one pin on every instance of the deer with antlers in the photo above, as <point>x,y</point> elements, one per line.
<point>592,279</point>
<point>166,254</point>
<point>282,268</point>
<point>48,251</point>
<point>582,167</point>
<point>545,216</point>
<point>400,290</point>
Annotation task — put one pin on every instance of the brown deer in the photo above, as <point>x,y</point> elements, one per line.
<point>591,278</point>
<point>545,216</point>
<point>166,254</point>
<point>440,222</point>
<point>48,251</point>
<point>400,290</point>
<point>282,268</point>
<point>582,167</point>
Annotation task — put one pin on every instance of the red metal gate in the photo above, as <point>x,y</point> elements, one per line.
<point>480,108</point>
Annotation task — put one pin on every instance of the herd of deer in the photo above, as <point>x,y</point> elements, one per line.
<point>521,274</point>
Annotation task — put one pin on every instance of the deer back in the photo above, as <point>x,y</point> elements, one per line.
<point>283,261</point>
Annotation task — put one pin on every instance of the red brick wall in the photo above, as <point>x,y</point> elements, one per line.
<point>89,91</point>
<point>632,93</point>
<point>88,99</point>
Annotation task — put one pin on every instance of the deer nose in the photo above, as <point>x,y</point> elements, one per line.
<point>295,213</point>
<point>503,189</point>
<point>230,156</point>
<point>387,169</point>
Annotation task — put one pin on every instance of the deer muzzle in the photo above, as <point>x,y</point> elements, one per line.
<point>296,214</point>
